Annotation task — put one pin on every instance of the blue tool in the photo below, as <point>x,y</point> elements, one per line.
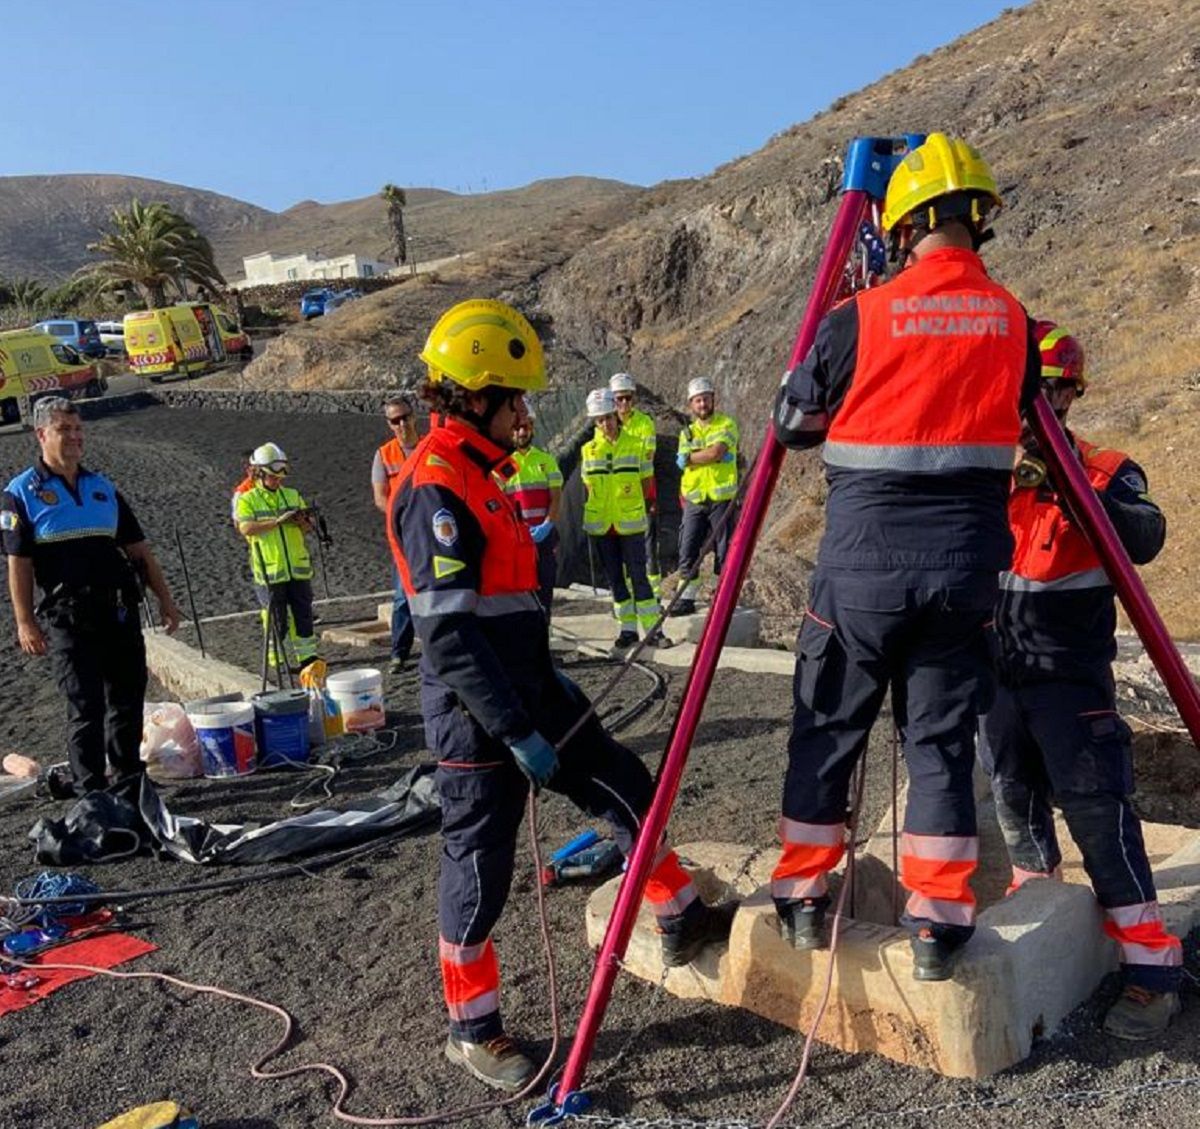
<point>585,856</point>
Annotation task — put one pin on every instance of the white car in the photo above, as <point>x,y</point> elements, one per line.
<point>112,337</point>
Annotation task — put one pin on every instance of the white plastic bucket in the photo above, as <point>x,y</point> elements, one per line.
<point>225,731</point>
<point>358,695</point>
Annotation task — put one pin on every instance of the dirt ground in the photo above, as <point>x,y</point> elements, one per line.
<point>351,952</point>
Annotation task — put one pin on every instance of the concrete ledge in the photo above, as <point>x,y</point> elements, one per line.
<point>369,633</point>
<point>186,674</point>
<point>745,627</point>
<point>1034,958</point>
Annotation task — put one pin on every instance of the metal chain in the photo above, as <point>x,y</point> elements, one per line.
<point>1065,1097</point>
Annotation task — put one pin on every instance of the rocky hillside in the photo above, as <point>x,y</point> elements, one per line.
<point>46,222</point>
<point>1089,112</point>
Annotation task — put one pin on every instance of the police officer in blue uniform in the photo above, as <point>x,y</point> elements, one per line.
<point>69,530</point>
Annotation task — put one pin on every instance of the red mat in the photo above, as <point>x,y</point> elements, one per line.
<point>105,950</point>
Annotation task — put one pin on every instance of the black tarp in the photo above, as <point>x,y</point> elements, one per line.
<point>108,825</point>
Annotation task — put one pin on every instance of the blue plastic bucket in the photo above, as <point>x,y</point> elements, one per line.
<point>281,719</point>
<point>225,731</point>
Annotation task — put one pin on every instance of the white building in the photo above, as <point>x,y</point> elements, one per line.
<point>267,267</point>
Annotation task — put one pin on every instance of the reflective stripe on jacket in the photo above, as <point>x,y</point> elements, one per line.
<point>612,475</point>
<point>713,482</point>
<point>282,552</point>
<point>529,489</point>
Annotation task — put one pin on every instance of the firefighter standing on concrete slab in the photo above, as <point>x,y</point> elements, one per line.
<point>400,413</point>
<point>69,530</point>
<point>274,519</point>
<point>916,388</point>
<point>493,703</point>
<point>707,460</point>
<point>536,491</point>
<point>637,422</point>
<point>618,480</point>
<point>1053,733</point>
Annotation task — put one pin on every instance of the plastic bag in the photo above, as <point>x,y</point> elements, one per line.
<point>170,749</point>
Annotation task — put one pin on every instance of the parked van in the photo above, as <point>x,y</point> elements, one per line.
<point>185,338</point>
<point>34,364</point>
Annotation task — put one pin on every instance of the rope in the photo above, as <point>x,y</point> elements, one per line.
<point>258,1071</point>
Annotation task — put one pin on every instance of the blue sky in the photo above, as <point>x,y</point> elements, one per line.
<point>277,102</point>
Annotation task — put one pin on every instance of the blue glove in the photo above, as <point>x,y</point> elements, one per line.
<point>539,533</point>
<point>681,460</point>
<point>728,457</point>
<point>536,758</point>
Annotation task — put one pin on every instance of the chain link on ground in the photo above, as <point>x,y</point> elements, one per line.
<point>1081,1097</point>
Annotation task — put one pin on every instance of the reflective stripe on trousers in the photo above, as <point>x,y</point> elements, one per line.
<point>810,852</point>
<point>1143,938</point>
<point>936,870</point>
<point>470,978</point>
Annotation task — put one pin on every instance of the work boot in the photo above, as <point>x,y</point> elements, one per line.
<point>1141,1014</point>
<point>498,1063</point>
<point>933,957</point>
<point>684,607</point>
<point>625,641</point>
<point>658,639</point>
<point>685,934</point>
<point>60,783</point>
<point>802,923</point>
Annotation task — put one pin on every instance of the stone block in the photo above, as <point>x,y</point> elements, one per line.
<point>745,627</point>
<point>1034,958</point>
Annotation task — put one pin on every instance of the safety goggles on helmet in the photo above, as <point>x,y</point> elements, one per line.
<point>278,470</point>
<point>479,343</point>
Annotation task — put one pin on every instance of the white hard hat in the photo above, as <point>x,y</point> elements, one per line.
<point>600,402</point>
<point>622,382</point>
<point>268,455</point>
<point>700,385</point>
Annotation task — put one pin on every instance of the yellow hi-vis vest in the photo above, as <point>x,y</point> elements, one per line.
<point>642,425</point>
<point>612,474</point>
<point>714,482</point>
<point>282,551</point>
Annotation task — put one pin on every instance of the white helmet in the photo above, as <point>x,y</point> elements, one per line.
<point>622,382</point>
<point>699,386</point>
<point>600,402</point>
<point>269,455</point>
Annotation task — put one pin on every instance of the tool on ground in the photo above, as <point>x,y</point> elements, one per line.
<point>585,856</point>
<point>187,583</point>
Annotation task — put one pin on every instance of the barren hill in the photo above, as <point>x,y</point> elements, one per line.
<point>1089,112</point>
<point>46,222</point>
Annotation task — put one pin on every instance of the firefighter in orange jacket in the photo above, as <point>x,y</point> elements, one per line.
<point>1053,732</point>
<point>495,708</point>
<point>916,388</point>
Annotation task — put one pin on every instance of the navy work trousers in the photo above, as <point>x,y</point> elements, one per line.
<point>1064,742</point>
<point>483,800</point>
<point>403,633</point>
<point>923,635</point>
<point>547,571</point>
<point>99,660</point>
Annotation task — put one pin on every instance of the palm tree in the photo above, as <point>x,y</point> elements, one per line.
<point>153,247</point>
<point>396,200</point>
<point>28,296</point>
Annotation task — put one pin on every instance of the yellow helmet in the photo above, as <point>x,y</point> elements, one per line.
<point>480,342</point>
<point>941,167</point>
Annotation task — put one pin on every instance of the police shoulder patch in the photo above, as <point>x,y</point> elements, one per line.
<point>446,566</point>
<point>445,528</point>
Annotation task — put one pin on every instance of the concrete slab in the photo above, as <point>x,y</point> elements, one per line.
<point>1035,957</point>
<point>369,633</point>
<point>600,631</point>
<point>745,627</point>
<point>183,671</point>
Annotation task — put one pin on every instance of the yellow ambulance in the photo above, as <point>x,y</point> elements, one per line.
<point>164,341</point>
<point>33,364</point>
